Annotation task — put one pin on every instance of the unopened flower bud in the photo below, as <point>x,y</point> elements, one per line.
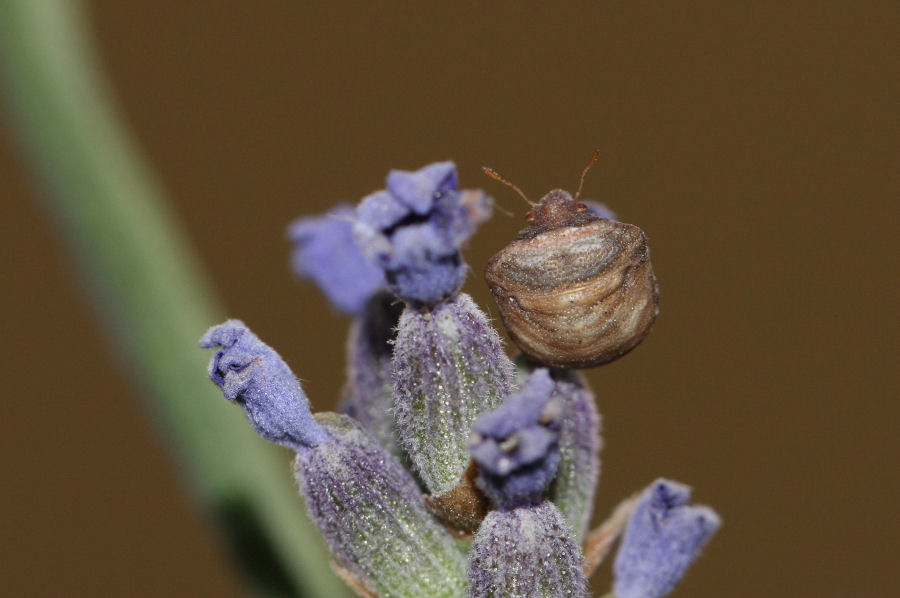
<point>251,373</point>
<point>374,517</point>
<point>449,367</point>
<point>664,535</point>
<point>526,552</point>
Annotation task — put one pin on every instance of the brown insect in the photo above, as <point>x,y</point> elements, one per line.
<point>574,290</point>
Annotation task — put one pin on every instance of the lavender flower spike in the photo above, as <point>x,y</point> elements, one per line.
<point>449,367</point>
<point>663,537</point>
<point>415,228</point>
<point>325,251</point>
<point>369,509</point>
<point>251,373</point>
<point>524,547</point>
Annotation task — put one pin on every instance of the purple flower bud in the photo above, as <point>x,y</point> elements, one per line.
<point>369,509</point>
<point>374,517</point>
<point>449,367</point>
<point>251,373</point>
<point>600,210</point>
<point>369,394</point>
<point>516,446</point>
<point>326,252</point>
<point>526,551</point>
<point>415,228</point>
<point>663,537</point>
<point>579,450</point>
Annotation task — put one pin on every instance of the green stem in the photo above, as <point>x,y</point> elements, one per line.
<point>151,295</point>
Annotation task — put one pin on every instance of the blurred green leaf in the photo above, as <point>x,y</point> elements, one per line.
<point>151,296</point>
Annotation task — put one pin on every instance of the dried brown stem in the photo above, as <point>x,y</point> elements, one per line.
<point>599,541</point>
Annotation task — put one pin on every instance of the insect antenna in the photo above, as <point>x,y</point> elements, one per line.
<point>493,174</point>
<point>584,173</point>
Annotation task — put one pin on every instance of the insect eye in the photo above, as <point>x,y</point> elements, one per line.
<point>529,217</point>
<point>581,208</point>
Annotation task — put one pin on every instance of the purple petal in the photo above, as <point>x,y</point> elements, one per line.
<point>326,252</point>
<point>417,189</point>
<point>439,280</point>
<point>381,210</point>
<point>519,410</point>
<point>417,246</point>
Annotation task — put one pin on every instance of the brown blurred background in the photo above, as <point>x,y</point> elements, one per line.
<point>755,143</point>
